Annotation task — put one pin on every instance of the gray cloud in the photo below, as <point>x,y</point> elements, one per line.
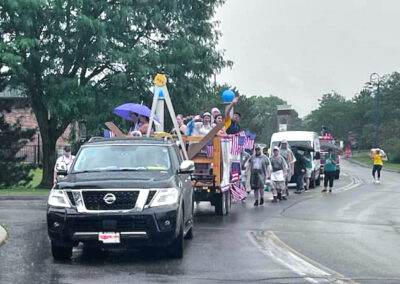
<point>301,49</point>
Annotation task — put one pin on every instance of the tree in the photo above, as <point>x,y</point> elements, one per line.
<point>77,60</point>
<point>334,113</point>
<point>259,115</point>
<point>13,138</point>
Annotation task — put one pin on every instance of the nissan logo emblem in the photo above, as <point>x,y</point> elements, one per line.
<point>109,198</point>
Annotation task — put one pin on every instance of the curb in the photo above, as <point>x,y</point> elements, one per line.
<point>23,197</point>
<point>370,167</point>
<point>3,235</point>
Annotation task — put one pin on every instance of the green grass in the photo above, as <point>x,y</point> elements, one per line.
<point>30,189</point>
<point>37,177</point>
<point>24,191</point>
<point>363,158</point>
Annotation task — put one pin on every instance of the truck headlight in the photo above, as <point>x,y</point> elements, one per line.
<point>58,198</point>
<point>166,196</point>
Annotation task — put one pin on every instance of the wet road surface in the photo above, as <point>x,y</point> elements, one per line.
<point>349,235</point>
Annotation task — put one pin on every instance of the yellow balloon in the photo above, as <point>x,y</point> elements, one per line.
<point>160,80</point>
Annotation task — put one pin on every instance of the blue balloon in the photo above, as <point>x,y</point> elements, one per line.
<point>227,96</point>
<point>160,94</point>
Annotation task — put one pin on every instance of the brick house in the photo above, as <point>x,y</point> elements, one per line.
<point>21,110</point>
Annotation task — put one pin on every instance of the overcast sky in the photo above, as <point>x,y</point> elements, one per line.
<point>301,49</point>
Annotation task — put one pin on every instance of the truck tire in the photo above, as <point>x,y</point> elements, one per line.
<point>189,234</point>
<point>220,204</point>
<point>228,201</point>
<point>61,252</point>
<point>175,249</point>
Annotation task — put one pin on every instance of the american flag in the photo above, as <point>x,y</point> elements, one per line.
<point>249,141</point>
<point>235,171</point>
<point>238,191</point>
<point>210,149</point>
<point>236,148</point>
<point>108,134</point>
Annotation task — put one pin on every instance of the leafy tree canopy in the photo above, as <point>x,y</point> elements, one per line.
<point>77,59</point>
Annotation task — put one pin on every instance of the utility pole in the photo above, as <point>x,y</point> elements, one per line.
<point>375,79</point>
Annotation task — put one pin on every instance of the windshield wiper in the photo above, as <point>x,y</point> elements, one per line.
<point>85,171</point>
<point>128,169</point>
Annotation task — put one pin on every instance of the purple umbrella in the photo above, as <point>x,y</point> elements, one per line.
<point>125,110</point>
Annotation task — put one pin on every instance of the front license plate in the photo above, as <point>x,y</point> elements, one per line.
<point>109,238</point>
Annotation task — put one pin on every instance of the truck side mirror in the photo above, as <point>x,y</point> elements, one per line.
<point>186,167</point>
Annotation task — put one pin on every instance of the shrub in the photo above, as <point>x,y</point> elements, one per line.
<point>392,149</point>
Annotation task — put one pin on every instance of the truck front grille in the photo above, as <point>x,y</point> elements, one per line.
<point>124,200</point>
<point>127,225</point>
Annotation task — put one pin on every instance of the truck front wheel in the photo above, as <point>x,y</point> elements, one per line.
<point>220,204</point>
<point>175,250</point>
<point>61,252</point>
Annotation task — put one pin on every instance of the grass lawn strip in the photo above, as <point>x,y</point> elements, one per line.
<point>363,158</point>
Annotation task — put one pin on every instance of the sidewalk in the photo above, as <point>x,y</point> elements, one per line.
<point>3,235</point>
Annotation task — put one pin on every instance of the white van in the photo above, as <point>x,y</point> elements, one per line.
<point>305,138</point>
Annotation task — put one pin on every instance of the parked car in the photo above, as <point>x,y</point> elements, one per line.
<point>127,192</point>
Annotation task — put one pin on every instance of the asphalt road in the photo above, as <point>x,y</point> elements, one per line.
<point>351,235</point>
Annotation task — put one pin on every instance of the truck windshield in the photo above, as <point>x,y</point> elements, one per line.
<point>293,143</point>
<point>122,158</point>
<point>325,145</point>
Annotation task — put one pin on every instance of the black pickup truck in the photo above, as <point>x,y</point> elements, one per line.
<point>131,192</point>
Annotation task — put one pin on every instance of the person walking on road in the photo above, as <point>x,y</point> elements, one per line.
<point>299,170</point>
<point>259,168</point>
<point>377,155</point>
<point>330,170</point>
<point>307,177</point>
<point>287,154</point>
<point>278,175</point>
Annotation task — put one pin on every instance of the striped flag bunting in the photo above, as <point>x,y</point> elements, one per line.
<point>235,195</point>
<point>249,140</point>
<point>236,148</point>
<point>210,149</point>
<point>235,171</point>
<point>238,191</point>
<point>108,134</point>
<point>242,140</point>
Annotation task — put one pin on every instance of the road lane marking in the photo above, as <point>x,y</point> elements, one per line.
<point>310,270</point>
<point>355,181</point>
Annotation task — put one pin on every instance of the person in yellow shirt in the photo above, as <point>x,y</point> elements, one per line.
<point>377,157</point>
<point>227,120</point>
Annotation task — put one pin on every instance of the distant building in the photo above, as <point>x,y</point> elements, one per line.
<point>22,111</point>
<point>284,116</point>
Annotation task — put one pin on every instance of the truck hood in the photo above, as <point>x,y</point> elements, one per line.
<point>145,179</point>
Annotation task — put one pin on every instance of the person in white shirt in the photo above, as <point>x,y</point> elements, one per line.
<point>63,162</point>
<point>201,128</point>
<point>278,176</point>
<point>214,112</point>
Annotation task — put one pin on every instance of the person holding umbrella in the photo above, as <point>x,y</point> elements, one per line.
<point>135,122</point>
<point>299,169</point>
<point>137,113</point>
<point>144,124</point>
<point>330,169</point>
